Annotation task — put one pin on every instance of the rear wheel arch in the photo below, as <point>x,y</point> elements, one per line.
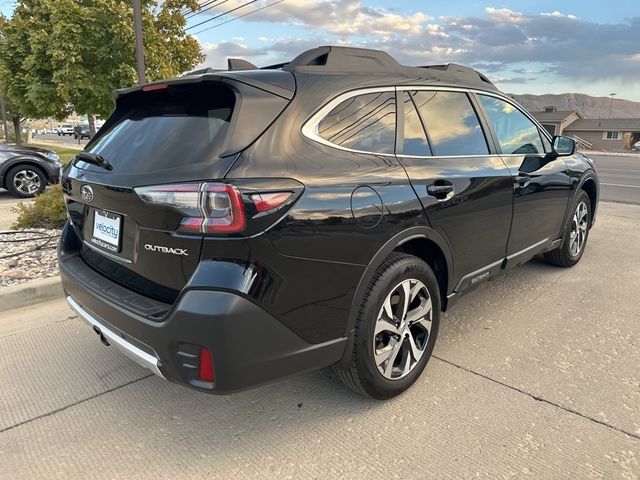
<point>422,242</point>
<point>429,251</point>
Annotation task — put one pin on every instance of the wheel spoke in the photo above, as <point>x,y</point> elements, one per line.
<point>392,358</point>
<point>425,323</point>
<point>407,363</point>
<point>405,300</point>
<point>387,308</point>
<point>419,312</point>
<point>384,325</point>
<point>415,351</point>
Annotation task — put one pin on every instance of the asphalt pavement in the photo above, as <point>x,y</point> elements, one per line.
<point>534,375</point>
<point>619,177</point>
<point>62,140</point>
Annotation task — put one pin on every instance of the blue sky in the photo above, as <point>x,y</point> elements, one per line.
<point>536,47</point>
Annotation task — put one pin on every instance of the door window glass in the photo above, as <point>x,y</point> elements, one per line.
<point>516,133</point>
<point>451,122</point>
<point>415,139</point>
<point>365,122</point>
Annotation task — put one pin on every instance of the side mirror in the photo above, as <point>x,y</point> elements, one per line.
<point>564,146</point>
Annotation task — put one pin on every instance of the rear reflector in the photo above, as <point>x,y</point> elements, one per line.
<point>268,201</point>
<point>205,366</point>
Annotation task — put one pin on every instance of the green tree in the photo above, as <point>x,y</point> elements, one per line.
<point>69,55</point>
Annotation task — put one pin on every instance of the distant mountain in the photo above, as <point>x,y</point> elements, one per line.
<point>590,107</point>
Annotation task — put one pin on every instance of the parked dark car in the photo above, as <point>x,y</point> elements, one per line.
<point>26,171</point>
<point>229,228</point>
<point>81,131</point>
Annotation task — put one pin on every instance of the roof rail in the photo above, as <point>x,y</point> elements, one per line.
<point>330,59</point>
<point>460,71</point>
<point>341,59</point>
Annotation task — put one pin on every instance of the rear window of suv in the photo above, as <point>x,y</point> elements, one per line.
<point>166,129</point>
<point>364,122</point>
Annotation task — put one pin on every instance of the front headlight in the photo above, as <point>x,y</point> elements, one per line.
<point>53,156</point>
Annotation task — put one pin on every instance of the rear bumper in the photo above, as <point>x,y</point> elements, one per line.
<point>249,346</point>
<point>136,354</point>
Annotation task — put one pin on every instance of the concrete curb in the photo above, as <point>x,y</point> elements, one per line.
<point>30,293</point>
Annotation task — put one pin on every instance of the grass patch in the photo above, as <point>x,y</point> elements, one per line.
<point>47,211</point>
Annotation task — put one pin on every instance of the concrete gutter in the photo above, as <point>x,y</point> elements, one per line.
<point>30,293</point>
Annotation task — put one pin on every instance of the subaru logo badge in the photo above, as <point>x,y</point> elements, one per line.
<point>87,193</point>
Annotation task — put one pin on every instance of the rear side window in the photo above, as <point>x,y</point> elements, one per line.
<point>451,122</point>
<point>415,139</point>
<point>168,129</point>
<point>516,133</point>
<point>364,122</point>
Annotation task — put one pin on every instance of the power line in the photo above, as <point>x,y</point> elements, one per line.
<point>202,10</point>
<point>238,17</point>
<point>220,15</point>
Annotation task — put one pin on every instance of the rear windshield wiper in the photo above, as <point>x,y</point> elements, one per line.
<point>94,159</point>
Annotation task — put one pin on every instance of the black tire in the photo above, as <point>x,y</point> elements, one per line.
<point>363,375</point>
<point>565,255</point>
<point>11,175</point>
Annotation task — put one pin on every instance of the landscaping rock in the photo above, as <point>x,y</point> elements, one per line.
<point>27,255</point>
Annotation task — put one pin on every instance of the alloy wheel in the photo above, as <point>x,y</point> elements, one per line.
<point>27,182</point>
<point>402,329</point>
<point>579,225</point>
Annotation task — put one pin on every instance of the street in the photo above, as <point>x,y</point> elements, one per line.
<point>619,177</point>
<point>535,374</point>
<point>62,140</point>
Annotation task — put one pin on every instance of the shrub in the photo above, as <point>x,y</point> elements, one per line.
<point>47,211</point>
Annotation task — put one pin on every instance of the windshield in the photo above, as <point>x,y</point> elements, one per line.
<point>167,129</point>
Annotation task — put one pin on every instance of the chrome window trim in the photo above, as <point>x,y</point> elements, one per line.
<point>310,126</point>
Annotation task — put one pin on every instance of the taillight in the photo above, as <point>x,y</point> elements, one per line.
<point>208,207</point>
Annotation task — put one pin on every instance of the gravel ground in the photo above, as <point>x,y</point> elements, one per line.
<point>27,255</point>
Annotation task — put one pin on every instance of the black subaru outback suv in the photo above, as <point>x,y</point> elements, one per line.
<point>228,228</point>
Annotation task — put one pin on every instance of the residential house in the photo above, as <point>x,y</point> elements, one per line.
<point>609,134</point>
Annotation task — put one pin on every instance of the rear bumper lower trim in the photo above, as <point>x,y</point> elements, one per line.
<point>134,353</point>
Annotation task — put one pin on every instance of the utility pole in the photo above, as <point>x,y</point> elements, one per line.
<point>611,102</point>
<point>137,25</point>
<point>3,108</point>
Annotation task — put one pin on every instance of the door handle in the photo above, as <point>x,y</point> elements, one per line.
<point>522,179</point>
<point>441,190</point>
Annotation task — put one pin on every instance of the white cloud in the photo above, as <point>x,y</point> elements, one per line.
<point>501,39</point>
<point>338,17</point>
